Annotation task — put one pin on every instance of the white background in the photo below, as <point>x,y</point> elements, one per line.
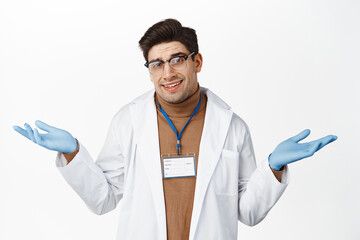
<point>283,66</point>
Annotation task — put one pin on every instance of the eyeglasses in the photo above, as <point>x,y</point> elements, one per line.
<point>176,63</point>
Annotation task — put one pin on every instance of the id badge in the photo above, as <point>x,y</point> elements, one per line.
<point>176,166</point>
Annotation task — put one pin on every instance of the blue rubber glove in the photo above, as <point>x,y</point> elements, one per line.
<point>291,150</point>
<point>55,139</point>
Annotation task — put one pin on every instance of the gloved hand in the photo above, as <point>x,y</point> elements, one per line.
<point>291,151</point>
<point>56,139</point>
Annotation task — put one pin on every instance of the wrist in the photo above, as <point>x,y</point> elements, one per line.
<point>70,156</point>
<point>277,174</point>
<point>274,166</point>
<point>71,147</point>
<point>277,169</point>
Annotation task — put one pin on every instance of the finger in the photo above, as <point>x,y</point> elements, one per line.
<point>30,132</point>
<point>324,141</point>
<point>37,136</point>
<point>315,147</point>
<point>301,135</point>
<point>44,126</point>
<point>22,131</point>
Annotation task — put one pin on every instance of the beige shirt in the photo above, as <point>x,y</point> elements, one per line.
<point>179,192</point>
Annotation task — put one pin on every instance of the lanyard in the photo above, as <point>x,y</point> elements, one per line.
<point>178,136</point>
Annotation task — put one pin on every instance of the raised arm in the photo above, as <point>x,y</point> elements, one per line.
<point>99,184</point>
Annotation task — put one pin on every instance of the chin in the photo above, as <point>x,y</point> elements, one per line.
<point>173,98</point>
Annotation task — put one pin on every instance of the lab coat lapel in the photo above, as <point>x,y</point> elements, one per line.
<point>148,146</point>
<point>216,125</point>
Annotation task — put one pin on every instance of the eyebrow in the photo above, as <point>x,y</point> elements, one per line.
<point>171,56</point>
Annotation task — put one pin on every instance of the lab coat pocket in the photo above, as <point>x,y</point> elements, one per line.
<point>225,177</point>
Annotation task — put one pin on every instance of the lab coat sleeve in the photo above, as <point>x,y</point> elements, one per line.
<point>100,184</point>
<point>259,189</point>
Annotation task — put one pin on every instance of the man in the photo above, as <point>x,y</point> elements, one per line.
<point>180,161</point>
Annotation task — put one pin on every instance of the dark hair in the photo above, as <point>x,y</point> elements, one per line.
<point>169,30</point>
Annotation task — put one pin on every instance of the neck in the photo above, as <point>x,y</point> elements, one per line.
<point>183,109</point>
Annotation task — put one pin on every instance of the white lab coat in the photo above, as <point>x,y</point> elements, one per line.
<point>229,186</point>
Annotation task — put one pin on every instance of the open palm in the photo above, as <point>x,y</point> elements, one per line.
<point>55,139</point>
<point>291,150</point>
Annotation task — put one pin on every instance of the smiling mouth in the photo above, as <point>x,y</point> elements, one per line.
<point>173,85</point>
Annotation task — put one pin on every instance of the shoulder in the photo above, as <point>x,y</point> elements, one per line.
<point>125,114</point>
<point>237,124</point>
<point>217,102</point>
<point>146,98</point>
<point>214,100</point>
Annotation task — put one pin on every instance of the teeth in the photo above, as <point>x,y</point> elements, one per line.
<point>172,85</point>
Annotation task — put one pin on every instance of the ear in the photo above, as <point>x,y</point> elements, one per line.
<point>198,62</point>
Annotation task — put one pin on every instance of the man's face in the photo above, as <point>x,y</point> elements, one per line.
<point>185,78</point>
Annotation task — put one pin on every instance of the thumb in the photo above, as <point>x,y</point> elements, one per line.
<point>301,135</point>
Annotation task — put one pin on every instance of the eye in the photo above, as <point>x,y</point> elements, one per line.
<point>154,65</point>
<point>177,60</point>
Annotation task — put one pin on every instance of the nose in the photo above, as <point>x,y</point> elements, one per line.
<point>168,72</point>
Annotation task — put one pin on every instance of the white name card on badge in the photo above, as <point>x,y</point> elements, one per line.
<point>175,167</point>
